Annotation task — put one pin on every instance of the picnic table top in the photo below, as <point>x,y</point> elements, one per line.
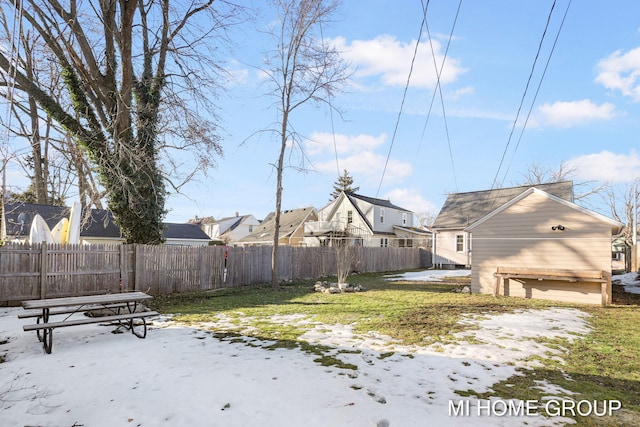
<point>85,300</point>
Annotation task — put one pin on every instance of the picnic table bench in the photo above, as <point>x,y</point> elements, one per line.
<point>504,274</point>
<point>120,307</point>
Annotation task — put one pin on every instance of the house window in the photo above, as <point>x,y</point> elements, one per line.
<point>349,217</point>
<point>381,216</point>
<point>401,243</point>
<point>459,242</point>
<point>251,229</point>
<point>404,218</point>
<point>409,243</point>
<point>384,242</point>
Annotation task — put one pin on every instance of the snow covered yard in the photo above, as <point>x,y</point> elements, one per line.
<point>197,376</point>
<point>630,282</point>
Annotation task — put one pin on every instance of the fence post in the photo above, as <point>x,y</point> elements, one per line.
<point>137,269</point>
<point>43,270</point>
<point>124,270</point>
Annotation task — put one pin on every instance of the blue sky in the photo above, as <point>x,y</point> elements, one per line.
<point>586,112</point>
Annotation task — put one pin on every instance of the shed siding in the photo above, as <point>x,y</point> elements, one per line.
<point>522,236</point>
<point>446,254</point>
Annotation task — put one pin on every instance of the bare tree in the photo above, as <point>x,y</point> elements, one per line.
<point>623,205</point>
<point>345,257</point>
<point>537,174</point>
<point>128,69</point>
<point>302,69</point>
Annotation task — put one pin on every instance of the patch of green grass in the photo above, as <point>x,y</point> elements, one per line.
<point>603,365</point>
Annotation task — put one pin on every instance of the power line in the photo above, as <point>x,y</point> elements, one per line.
<point>439,90</point>
<point>433,97</point>
<point>564,17</point>
<point>404,97</point>
<point>533,66</point>
<point>333,131</point>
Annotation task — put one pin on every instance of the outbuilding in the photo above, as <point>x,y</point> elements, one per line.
<point>540,246</point>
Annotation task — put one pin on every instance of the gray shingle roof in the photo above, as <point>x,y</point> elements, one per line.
<point>20,215</point>
<point>290,220</point>
<point>184,231</point>
<point>463,209</point>
<point>99,224</point>
<point>378,202</point>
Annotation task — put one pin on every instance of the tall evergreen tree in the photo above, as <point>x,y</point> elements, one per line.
<point>344,183</point>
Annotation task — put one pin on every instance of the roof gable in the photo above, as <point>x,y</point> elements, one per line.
<point>615,225</point>
<point>463,209</point>
<point>377,202</point>
<point>290,221</point>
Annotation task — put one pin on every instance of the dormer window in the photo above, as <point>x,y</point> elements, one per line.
<point>381,216</point>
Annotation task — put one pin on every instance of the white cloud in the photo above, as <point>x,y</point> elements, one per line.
<point>235,74</point>
<point>571,113</point>
<point>621,72</point>
<point>459,93</point>
<point>389,58</point>
<point>320,142</point>
<point>410,199</point>
<point>607,166</point>
<point>370,166</point>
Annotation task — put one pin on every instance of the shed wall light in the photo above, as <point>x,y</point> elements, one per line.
<point>558,227</point>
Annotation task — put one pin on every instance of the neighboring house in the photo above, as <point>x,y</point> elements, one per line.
<point>540,234</point>
<point>98,228</point>
<point>291,231</point>
<point>228,230</point>
<point>366,221</point>
<point>184,234</point>
<point>451,243</point>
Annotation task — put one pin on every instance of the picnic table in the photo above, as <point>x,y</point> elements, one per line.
<point>120,307</point>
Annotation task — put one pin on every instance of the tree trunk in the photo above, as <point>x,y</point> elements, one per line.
<point>275,271</point>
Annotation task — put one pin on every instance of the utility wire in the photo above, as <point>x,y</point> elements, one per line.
<point>533,66</point>
<point>333,131</point>
<point>433,97</point>
<point>439,90</point>
<point>404,97</point>
<point>538,89</point>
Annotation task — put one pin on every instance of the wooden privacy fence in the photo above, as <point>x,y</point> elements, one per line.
<point>47,271</point>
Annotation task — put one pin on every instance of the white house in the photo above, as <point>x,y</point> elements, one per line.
<point>229,230</point>
<point>365,221</point>
<point>290,231</point>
